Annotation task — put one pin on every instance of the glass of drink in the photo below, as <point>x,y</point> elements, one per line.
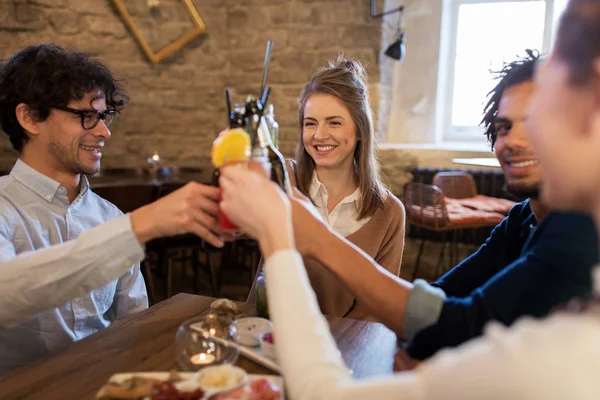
<point>260,167</point>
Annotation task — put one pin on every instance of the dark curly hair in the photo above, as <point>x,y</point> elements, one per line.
<point>46,76</point>
<point>512,74</point>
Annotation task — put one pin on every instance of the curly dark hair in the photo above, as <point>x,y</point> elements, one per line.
<point>512,74</point>
<point>46,76</point>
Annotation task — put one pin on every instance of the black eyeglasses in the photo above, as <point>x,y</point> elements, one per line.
<point>90,118</point>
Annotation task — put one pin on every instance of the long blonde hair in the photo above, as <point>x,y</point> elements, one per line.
<point>345,79</point>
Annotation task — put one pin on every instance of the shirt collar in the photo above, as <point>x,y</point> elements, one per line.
<point>317,187</point>
<point>45,187</point>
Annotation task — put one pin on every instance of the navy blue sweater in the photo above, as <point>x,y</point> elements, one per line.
<point>520,270</point>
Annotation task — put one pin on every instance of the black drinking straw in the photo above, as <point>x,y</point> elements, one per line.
<point>228,100</point>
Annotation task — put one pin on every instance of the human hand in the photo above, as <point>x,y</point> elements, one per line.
<point>190,209</point>
<point>258,207</point>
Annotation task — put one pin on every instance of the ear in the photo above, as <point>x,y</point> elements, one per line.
<point>27,119</point>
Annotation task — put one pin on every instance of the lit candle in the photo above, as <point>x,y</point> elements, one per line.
<point>202,359</point>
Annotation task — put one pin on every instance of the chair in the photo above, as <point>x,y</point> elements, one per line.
<point>459,187</point>
<point>426,208</point>
<point>196,247</point>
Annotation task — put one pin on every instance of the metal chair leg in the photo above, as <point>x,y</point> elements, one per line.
<point>418,261</point>
<point>441,258</point>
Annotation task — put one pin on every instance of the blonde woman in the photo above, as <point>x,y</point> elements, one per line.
<point>337,168</point>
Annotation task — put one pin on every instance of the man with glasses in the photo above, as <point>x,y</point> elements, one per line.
<point>61,245</point>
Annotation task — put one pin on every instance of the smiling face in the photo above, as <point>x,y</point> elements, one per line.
<point>328,132</point>
<point>513,148</point>
<point>70,148</point>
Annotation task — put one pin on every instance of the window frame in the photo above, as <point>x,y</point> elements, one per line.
<point>445,131</point>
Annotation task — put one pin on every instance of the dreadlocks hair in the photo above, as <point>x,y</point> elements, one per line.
<point>514,73</point>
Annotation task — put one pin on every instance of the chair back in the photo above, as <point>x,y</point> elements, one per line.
<point>456,184</point>
<point>425,206</point>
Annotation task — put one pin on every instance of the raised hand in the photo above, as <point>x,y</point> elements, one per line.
<point>190,209</point>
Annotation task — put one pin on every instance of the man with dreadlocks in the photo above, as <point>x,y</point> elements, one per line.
<point>533,261</point>
<point>525,267</point>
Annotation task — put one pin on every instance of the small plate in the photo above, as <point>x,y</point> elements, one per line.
<point>188,376</point>
<point>248,331</point>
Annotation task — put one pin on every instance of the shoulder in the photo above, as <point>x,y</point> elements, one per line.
<point>392,208</point>
<point>520,211</point>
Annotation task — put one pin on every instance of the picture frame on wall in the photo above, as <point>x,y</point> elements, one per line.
<point>156,56</point>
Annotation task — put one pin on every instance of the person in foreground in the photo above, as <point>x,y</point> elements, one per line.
<point>554,359</point>
<point>69,260</point>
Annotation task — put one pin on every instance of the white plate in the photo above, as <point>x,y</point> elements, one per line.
<point>249,330</point>
<point>163,376</point>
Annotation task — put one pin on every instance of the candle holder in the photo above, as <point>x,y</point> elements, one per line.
<point>195,349</point>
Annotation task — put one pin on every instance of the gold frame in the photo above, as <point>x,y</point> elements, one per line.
<point>155,57</point>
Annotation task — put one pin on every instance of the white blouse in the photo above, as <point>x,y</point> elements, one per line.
<point>344,217</point>
<point>556,358</point>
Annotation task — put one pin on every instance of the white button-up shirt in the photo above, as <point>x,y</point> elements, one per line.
<point>35,214</point>
<point>344,217</point>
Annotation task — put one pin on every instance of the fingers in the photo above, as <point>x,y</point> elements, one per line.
<point>201,231</point>
<point>204,204</point>
<point>200,190</point>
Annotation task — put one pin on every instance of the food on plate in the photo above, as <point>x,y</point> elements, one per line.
<point>260,389</point>
<point>222,377</point>
<point>168,391</point>
<point>268,337</point>
<point>140,387</point>
<point>131,388</point>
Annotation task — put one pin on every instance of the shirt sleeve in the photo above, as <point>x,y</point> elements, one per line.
<point>131,296</point>
<point>525,362</point>
<point>36,281</point>
<point>554,270</point>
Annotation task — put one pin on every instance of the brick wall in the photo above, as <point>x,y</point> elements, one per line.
<point>177,106</point>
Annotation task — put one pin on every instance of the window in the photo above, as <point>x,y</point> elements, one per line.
<point>479,36</point>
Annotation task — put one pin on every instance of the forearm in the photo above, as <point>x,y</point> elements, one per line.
<point>315,370</point>
<point>37,281</point>
<point>384,295</point>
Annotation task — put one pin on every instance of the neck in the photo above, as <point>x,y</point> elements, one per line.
<point>540,210</point>
<point>46,166</point>
<point>340,182</point>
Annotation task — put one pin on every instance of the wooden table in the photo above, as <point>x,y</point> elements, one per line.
<point>144,342</point>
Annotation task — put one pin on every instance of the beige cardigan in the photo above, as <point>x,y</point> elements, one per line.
<point>382,238</point>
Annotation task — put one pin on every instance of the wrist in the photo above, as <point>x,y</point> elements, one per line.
<point>276,238</point>
<point>141,224</point>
